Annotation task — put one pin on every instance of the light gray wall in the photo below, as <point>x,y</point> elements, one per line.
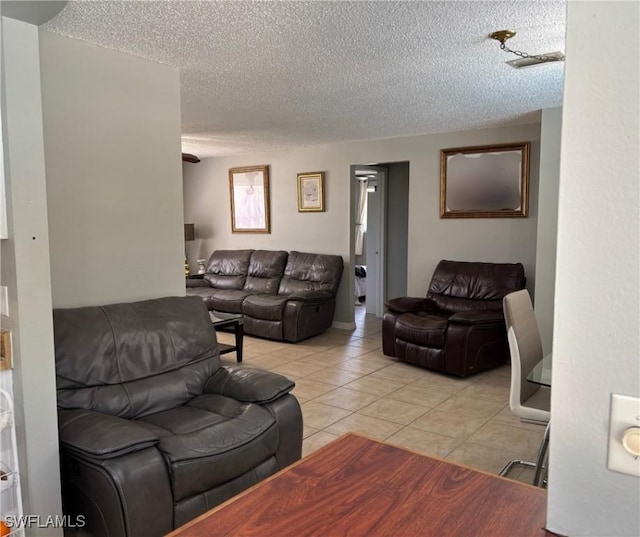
<point>206,193</point>
<point>114,175</point>
<point>547,223</point>
<point>25,272</point>
<point>596,338</point>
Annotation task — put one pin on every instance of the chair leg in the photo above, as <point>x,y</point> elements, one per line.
<point>540,466</point>
<point>514,463</point>
<point>539,479</point>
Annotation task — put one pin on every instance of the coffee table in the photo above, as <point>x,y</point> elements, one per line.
<point>234,321</point>
<point>360,487</point>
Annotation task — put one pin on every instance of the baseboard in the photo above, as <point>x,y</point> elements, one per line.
<point>343,326</point>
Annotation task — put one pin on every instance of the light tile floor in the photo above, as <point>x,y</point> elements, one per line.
<point>345,383</point>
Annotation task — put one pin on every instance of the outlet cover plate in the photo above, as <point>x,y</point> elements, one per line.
<point>625,413</point>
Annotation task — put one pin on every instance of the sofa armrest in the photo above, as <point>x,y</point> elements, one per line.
<point>248,385</point>
<point>197,282</point>
<point>409,304</point>
<point>102,436</point>
<point>310,297</point>
<point>477,317</point>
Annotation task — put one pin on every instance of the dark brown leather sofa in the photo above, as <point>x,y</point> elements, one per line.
<point>153,430</point>
<point>286,296</point>
<point>459,327</point>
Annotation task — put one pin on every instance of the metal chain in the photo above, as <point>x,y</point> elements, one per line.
<point>541,58</point>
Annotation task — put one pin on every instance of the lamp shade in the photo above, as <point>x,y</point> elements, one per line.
<point>189,232</point>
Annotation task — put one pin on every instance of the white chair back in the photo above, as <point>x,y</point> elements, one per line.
<point>525,347</point>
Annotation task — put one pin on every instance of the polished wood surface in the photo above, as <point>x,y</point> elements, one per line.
<point>360,487</point>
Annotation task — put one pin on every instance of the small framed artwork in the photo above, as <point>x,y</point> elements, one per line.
<point>249,192</point>
<point>311,192</point>
<point>489,181</point>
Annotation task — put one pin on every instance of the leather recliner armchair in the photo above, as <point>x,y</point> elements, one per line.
<point>153,430</point>
<point>459,327</point>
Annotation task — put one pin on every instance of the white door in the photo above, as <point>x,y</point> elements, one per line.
<point>375,240</point>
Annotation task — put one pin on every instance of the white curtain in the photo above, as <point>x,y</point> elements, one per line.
<point>361,216</point>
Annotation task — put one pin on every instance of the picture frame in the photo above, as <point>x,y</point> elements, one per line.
<point>311,192</point>
<point>249,197</point>
<point>489,181</point>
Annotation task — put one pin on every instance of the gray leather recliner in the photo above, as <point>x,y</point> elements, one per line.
<point>153,430</point>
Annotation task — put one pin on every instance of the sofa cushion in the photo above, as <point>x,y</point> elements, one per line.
<point>227,269</point>
<point>229,300</point>
<point>265,307</point>
<point>265,271</point>
<point>311,272</point>
<point>211,440</point>
<point>423,329</point>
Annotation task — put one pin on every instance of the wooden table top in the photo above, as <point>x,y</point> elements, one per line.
<point>356,486</point>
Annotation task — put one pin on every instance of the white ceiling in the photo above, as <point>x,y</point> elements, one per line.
<point>268,75</point>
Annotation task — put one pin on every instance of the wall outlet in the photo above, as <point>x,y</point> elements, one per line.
<point>624,422</point>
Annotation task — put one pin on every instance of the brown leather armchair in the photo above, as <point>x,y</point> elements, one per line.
<point>153,429</point>
<point>458,328</point>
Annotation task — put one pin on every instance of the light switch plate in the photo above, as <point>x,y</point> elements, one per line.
<point>4,301</point>
<point>625,413</point>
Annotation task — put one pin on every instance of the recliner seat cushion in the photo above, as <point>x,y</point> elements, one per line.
<point>229,300</point>
<point>422,329</point>
<point>265,307</point>
<point>211,440</point>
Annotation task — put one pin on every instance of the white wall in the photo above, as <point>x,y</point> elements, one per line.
<point>25,272</point>
<point>596,333</point>
<point>206,194</point>
<point>114,176</point>
<point>547,223</point>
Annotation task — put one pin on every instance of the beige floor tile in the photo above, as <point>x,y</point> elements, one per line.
<point>345,351</point>
<point>495,388</point>
<point>366,425</point>
<point>366,343</point>
<point>331,375</point>
<point>265,361</point>
<point>360,366</point>
<point>308,431</point>
<point>310,389</point>
<point>348,399</point>
<point>316,441</point>
<point>324,359</point>
<point>446,424</point>
<point>298,369</point>
<point>490,460</point>
<point>401,372</point>
<point>293,352</point>
<point>424,442</point>
<point>419,395</point>
<point>394,410</point>
<point>320,416</point>
<point>509,418</point>
<point>443,383</point>
<point>374,386</point>
<point>522,442</point>
<point>472,407</point>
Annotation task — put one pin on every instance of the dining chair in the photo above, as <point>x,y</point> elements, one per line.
<point>530,401</point>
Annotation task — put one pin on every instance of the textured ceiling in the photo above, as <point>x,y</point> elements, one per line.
<point>267,75</point>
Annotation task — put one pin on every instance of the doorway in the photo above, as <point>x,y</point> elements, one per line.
<point>384,230</point>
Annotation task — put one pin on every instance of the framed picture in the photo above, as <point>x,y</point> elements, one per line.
<point>489,181</point>
<point>311,192</point>
<point>249,191</point>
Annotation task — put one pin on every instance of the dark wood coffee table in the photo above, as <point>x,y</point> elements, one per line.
<point>232,321</point>
<point>359,487</point>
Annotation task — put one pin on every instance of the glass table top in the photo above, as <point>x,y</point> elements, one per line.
<point>541,373</point>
